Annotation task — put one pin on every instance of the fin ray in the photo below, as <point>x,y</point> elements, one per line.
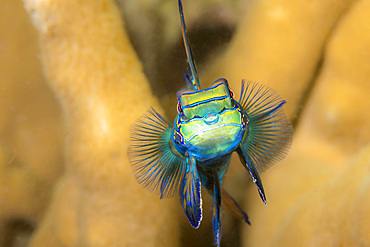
<point>192,70</point>
<point>269,130</point>
<point>155,166</point>
<point>249,165</point>
<point>190,193</point>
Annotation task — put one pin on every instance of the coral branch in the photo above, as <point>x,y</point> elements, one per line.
<point>279,43</point>
<point>319,194</point>
<point>98,79</point>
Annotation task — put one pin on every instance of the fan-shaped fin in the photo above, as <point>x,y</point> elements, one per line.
<point>269,133</point>
<point>155,166</point>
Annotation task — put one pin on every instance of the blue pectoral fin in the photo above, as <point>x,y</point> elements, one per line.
<point>270,133</point>
<point>229,203</point>
<point>190,193</point>
<point>155,166</point>
<point>216,217</point>
<point>250,166</point>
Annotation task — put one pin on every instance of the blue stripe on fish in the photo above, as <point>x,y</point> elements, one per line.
<point>204,101</point>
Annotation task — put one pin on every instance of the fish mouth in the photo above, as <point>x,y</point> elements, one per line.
<point>211,118</point>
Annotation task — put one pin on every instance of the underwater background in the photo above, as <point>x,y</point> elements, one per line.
<point>74,76</point>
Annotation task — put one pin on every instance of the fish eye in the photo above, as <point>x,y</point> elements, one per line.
<point>245,119</point>
<point>231,95</point>
<point>231,92</point>
<point>179,109</point>
<point>178,138</point>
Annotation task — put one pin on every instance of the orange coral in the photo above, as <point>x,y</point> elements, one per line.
<point>317,196</point>
<point>280,44</point>
<point>30,127</point>
<point>99,82</point>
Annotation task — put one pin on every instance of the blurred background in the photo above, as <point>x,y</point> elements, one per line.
<point>315,54</point>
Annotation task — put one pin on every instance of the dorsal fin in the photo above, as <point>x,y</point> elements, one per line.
<point>193,73</point>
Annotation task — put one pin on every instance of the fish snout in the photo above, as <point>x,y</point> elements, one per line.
<point>211,118</point>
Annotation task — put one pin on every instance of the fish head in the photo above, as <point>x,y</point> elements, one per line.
<point>210,122</point>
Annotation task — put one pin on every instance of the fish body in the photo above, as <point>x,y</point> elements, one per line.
<point>195,151</point>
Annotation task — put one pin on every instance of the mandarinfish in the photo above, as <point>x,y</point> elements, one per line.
<point>196,150</point>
